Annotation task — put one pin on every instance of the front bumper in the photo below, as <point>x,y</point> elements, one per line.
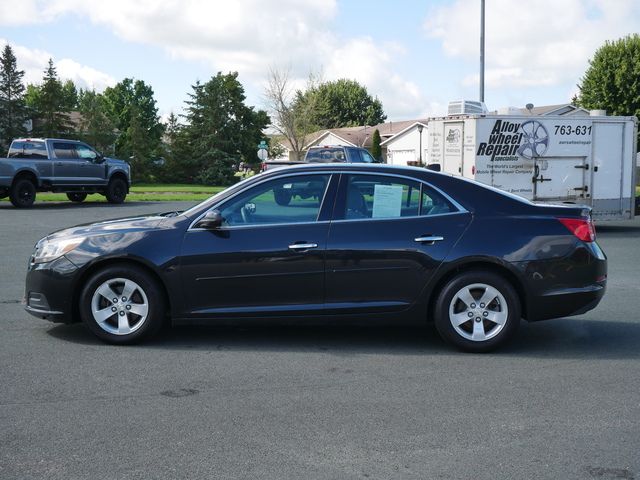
<point>49,290</point>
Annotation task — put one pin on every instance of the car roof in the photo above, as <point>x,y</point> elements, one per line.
<point>32,139</point>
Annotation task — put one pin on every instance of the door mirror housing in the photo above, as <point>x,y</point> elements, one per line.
<point>211,220</point>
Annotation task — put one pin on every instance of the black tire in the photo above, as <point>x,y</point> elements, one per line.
<point>116,190</point>
<point>282,196</point>
<point>77,197</point>
<point>147,291</point>
<point>492,324</point>
<point>23,193</point>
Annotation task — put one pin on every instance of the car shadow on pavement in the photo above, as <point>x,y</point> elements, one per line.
<point>563,338</point>
<point>616,231</point>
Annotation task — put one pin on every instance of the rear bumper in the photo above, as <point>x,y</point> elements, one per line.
<point>566,302</point>
<point>570,286</point>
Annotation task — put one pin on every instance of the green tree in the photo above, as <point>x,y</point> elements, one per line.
<point>132,108</point>
<point>69,96</point>
<point>376,149</point>
<point>341,103</point>
<point>13,109</point>
<point>51,112</point>
<point>221,130</point>
<point>96,128</point>
<point>612,80</point>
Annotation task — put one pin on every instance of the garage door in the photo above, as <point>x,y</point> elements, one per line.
<point>401,157</point>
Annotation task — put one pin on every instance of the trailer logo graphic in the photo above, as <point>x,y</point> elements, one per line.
<point>536,139</point>
<point>508,140</point>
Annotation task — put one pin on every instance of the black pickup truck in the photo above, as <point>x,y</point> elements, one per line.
<point>56,165</point>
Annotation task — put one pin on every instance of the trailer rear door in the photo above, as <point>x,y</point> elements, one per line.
<point>560,178</point>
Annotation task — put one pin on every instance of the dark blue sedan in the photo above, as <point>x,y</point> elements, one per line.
<point>324,242</point>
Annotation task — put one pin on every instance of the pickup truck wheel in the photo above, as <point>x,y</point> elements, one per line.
<point>282,196</point>
<point>23,193</point>
<point>116,190</point>
<point>76,196</point>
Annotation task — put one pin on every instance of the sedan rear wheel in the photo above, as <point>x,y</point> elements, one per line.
<point>477,311</point>
<point>122,304</point>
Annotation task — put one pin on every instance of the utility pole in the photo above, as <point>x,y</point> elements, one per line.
<point>482,50</point>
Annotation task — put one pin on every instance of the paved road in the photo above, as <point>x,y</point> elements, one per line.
<point>563,402</point>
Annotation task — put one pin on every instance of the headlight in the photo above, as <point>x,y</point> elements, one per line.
<point>49,250</point>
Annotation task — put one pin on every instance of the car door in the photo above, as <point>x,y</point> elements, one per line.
<point>90,171</point>
<point>268,256</point>
<point>388,237</point>
<point>66,165</point>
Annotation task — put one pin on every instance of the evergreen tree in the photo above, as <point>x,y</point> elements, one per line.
<point>221,130</point>
<point>376,149</point>
<point>52,113</point>
<point>13,109</point>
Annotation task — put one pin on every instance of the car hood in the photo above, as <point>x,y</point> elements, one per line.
<point>122,225</point>
<point>115,161</point>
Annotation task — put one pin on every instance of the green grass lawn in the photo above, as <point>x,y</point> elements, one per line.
<point>146,193</point>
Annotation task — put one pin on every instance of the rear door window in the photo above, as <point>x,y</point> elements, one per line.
<point>382,196</point>
<point>64,150</point>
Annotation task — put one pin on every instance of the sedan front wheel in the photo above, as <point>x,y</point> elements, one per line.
<point>477,311</point>
<point>122,304</point>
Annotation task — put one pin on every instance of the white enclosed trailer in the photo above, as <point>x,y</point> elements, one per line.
<point>588,160</point>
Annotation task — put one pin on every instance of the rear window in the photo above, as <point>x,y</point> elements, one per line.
<point>28,149</point>
<point>326,155</point>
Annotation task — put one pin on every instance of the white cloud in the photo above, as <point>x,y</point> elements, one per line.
<point>541,43</point>
<point>35,61</point>
<point>250,36</point>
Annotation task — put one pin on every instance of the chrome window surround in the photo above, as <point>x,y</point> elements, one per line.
<point>460,208</point>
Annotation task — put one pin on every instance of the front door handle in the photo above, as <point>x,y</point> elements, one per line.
<point>431,239</point>
<point>303,246</point>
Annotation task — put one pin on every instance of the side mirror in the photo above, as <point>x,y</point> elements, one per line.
<point>99,158</point>
<point>211,220</point>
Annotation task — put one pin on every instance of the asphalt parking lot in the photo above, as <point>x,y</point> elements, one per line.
<point>273,402</point>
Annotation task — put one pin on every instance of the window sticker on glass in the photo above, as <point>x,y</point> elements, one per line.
<point>288,185</point>
<point>387,201</point>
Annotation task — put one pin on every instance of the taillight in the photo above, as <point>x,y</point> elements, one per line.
<point>583,228</point>
<point>263,167</point>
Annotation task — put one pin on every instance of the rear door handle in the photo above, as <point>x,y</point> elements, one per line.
<point>429,239</point>
<point>303,246</point>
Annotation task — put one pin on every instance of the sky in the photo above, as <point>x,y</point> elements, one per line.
<point>414,56</point>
